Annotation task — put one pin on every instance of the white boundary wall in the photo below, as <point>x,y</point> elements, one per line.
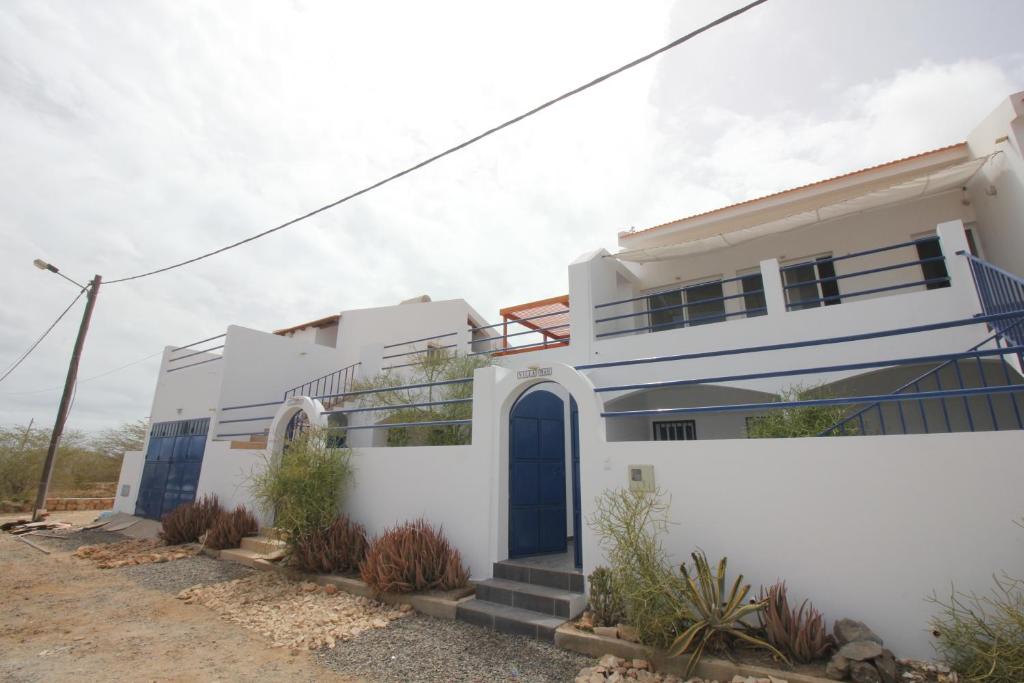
<point>865,527</point>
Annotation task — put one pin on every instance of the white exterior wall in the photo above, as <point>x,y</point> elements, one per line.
<point>997,191</point>
<point>866,527</point>
<point>226,473</point>
<point>446,485</point>
<point>131,474</point>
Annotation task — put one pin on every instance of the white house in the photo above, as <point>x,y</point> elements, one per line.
<point>897,287</point>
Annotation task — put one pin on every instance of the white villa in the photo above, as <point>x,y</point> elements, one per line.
<point>896,289</point>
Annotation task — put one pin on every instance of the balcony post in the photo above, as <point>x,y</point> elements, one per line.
<point>953,239</point>
<point>771,278</point>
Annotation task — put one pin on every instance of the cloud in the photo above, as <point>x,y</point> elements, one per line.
<point>139,135</point>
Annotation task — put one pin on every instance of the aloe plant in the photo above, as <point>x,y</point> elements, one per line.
<point>716,617</point>
<point>800,632</point>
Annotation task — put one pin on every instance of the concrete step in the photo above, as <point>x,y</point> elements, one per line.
<point>271,533</point>
<point>566,580</point>
<point>506,619</point>
<point>262,544</point>
<point>542,599</point>
<point>246,557</point>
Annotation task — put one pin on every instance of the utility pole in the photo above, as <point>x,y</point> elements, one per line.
<point>93,289</point>
<point>24,439</point>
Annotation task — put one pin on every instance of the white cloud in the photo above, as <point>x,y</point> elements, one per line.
<point>138,135</point>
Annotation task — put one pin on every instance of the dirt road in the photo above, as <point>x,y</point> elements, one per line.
<point>61,619</point>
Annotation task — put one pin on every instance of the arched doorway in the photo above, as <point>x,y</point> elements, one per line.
<point>537,475</point>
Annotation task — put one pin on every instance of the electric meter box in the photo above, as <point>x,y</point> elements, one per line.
<point>641,478</point>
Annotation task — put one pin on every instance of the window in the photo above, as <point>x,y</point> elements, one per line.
<point>694,305</point>
<point>676,430</point>
<point>933,270</point>
<point>807,286</point>
<point>753,295</point>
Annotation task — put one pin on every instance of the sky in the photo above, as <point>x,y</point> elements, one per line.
<point>134,134</point>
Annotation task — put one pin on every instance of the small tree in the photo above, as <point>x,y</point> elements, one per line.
<point>427,367</point>
<point>801,420</point>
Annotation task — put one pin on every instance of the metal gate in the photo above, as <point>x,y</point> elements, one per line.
<point>537,514</point>
<point>174,458</point>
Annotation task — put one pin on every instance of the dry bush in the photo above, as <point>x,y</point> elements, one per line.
<point>798,632</point>
<point>413,557</point>
<point>230,528</point>
<point>187,522</point>
<point>338,549</point>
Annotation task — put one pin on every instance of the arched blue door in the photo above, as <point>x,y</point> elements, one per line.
<point>537,512</point>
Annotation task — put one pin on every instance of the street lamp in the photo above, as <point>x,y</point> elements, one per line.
<point>43,265</point>
<point>91,290</point>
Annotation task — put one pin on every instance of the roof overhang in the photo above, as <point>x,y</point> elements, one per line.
<point>322,322</point>
<point>778,214</point>
<point>925,174</point>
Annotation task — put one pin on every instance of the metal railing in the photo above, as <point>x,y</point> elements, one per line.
<point>835,295</point>
<point>192,354</point>
<point>980,379</point>
<point>336,398</point>
<point>999,291</point>
<point>684,307</point>
<point>337,381</point>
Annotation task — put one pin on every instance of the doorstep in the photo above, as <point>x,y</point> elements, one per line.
<point>568,637</point>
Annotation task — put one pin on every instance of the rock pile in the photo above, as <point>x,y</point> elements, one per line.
<point>134,551</point>
<point>293,614</point>
<point>861,657</point>
<point>612,669</point>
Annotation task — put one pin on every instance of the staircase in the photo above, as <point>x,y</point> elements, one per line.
<point>257,551</point>
<point>525,599</point>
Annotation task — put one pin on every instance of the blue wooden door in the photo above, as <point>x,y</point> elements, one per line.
<point>174,459</point>
<point>577,517</point>
<point>537,514</point>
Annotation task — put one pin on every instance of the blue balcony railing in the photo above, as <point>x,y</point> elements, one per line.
<point>975,389</point>
<point>999,291</point>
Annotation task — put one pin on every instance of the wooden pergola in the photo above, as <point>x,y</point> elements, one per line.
<point>547,317</point>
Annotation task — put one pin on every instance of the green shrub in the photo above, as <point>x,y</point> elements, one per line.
<point>801,421</point>
<point>982,636</point>
<point>429,366</point>
<point>302,486</point>
<point>605,600</point>
<point>413,557</point>
<point>630,525</point>
<point>337,549</point>
<point>230,527</point>
<point>799,632</point>
<point>189,521</point>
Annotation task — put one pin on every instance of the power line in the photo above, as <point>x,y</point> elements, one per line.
<point>49,329</point>
<point>456,148</point>
<point>86,379</point>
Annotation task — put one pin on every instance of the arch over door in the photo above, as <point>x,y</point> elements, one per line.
<point>537,512</point>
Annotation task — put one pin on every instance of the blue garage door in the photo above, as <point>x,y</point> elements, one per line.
<point>170,474</point>
<point>537,514</point>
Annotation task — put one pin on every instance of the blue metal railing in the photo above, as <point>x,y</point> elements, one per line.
<point>684,307</point>
<point>792,289</point>
<point>825,285</point>
<point>979,392</point>
<point>999,291</point>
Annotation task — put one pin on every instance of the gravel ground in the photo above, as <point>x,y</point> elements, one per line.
<point>176,576</point>
<point>73,540</point>
<point>420,649</point>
